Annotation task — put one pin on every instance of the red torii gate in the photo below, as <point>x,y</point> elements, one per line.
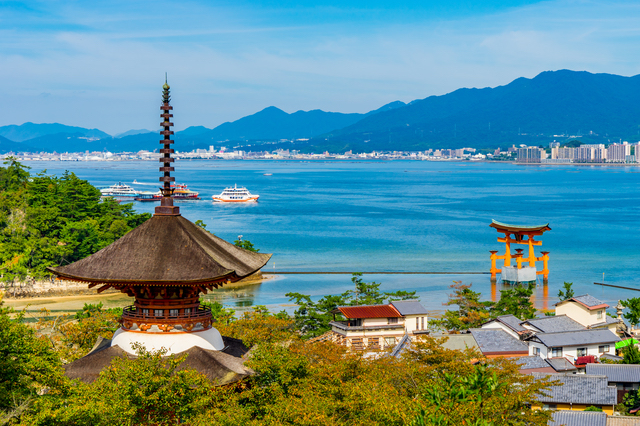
<point>519,232</point>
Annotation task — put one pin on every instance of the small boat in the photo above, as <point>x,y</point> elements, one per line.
<point>268,174</point>
<point>119,191</point>
<point>236,195</point>
<point>145,196</point>
<point>181,192</point>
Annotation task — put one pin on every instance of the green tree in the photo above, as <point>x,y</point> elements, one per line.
<point>471,311</point>
<point>567,293</point>
<point>149,390</point>
<point>245,244</point>
<point>633,313</point>
<point>515,301</point>
<point>46,221</point>
<point>630,354</point>
<point>28,365</point>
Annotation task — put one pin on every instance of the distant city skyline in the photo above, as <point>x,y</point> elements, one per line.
<point>102,64</point>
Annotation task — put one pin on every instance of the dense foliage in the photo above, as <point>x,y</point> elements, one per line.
<point>312,318</point>
<point>48,221</point>
<point>296,382</point>
<point>472,312</point>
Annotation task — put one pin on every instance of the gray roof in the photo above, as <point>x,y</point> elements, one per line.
<point>531,362</point>
<point>512,322</point>
<point>577,418</point>
<point>556,324</point>
<point>561,364</point>
<point>628,373</point>
<point>577,338</point>
<point>401,347</point>
<point>578,389</point>
<point>611,357</point>
<point>409,307</point>
<point>497,340</point>
<point>458,342</point>
<point>588,300</point>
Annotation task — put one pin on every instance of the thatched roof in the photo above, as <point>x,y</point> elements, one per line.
<point>165,250</point>
<point>221,367</point>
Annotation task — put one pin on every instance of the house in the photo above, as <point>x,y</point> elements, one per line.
<point>625,377</point>
<point>573,344</point>
<point>588,311</point>
<point>509,323</point>
<point>576,392</point>
<point>376,327</point>
<point>553,324</point>
<point>578,418</point>
<point>495,343</point>
<point>534,364</point>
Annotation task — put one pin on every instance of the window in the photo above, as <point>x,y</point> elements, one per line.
<point>159,312</point>
<point>556,352</point>
<point>173,312</point>
<point>392,320</point>
<point>422,328</point>
<point>600,314</point>
<point>582,351</point>
<point>550,407</point>
<point>390,341</point>
<point>536,351</point>
<point>603,348</point>
<point>417,323</point>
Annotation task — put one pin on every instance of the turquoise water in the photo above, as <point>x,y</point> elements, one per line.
<point>406,216</point>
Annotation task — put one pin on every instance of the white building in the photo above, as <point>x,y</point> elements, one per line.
<point>376,327</point>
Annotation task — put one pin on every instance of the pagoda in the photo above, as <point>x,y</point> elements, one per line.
<point>165,264</point>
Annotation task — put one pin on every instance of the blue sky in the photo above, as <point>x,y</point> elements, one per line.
<point>102,64</point>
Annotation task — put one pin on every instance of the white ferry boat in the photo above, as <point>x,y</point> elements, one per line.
<point>236,195</point>
<point>120,191</point>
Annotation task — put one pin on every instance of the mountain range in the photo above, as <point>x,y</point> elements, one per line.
<point>600,108</point>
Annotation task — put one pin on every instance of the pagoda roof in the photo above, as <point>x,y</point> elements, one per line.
<point>519,228</point>
<point>165,250</point>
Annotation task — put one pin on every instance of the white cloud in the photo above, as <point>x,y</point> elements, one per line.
<point>104,67</point>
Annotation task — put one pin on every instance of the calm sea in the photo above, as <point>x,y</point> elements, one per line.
<point>405,216</point>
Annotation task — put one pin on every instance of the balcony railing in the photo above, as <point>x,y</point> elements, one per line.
<point>344,325</point>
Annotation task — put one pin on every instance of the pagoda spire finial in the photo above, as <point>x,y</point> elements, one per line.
<point>166,206</point>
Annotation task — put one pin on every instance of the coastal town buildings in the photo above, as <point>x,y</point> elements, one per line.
<point>377,327</point>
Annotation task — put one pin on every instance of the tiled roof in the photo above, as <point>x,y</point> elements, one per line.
<point>628,373</point>
<point>494,340</point>
<point>458,342</point>
<point>556,324</point>
<point>530,362</point>
<point>589,301</point>
<point>578,389</point>
<point>577,338</point>
<point>512,322</point>
<point>623,421</point>
<point>577,418</point>
<point>371,311</point>
<point>561,364</point>
<point>611,357</point>
<point>409,307</point>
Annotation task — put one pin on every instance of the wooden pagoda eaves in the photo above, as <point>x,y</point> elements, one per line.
<point>165,251</point>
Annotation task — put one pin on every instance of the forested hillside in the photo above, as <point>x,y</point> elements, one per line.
<point>48,221</point>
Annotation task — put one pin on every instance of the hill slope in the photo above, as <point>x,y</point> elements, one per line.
<point>524,111</point>
<point>28,131</point>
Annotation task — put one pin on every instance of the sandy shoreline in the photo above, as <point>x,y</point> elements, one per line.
<point>63,304</point>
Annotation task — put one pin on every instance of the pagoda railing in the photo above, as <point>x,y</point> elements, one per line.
<point>184,319</point>
<point>134,312</point>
